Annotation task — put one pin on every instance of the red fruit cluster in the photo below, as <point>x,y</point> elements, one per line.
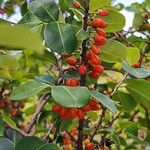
<point>14,107</point>
<point>67,113</point>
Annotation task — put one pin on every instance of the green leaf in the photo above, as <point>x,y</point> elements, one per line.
<point>28,89</point>
<point>1,127</point>
<point>65,125</point>
<point>48,147</point>
<point>139,90</point>
<point>113,51</point>
<point>133,55</point>
<point>46,79</point>
<point>71,96</point>
<point>60,37</point>
<point>127,102</point>
<point>8,120</point>
<point>7,62</point>
<point>104,100</point>
<point>138,20</point>
<point>77,13</point>
<point>18,37</point>
<point>45,10</point>
<point>31,142</point>
<point>92,115</point>
<point>136,72</point>
<point>97,4</point>
<point>6,144</point>
<point>113,23</point>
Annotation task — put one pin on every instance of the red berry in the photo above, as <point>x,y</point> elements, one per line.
<point>98,68</point>
<point>86,108</point>
<point>71,61</point>
<point>95,49</point>
<point>76,4</point>
<point>99,40</point>
<point>56,108</point>
<point>81,114</point>
<point>103,13</point>
<point>73,112</point>
<point>13,112</point>
<point>82,69</point>
<point>137,65</point>
<point>63,112</point>
<point>72,82</point>
<point>101,32</point>
<point>89,54</point>
<point>93,103</point>
<point>97,22</point>
<point>90,146</point>
<point>94,75</point>
<point>94,60</point>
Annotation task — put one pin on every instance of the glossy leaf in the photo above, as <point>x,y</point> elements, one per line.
<point>97,4</point>
<point>6,144</point>
<point>70,96</point>
<point>60,37</point>
<point>33,142</point>
<point>133,55</point>
<point>45,10</point>
<point>18,37</point>
<point>48,147</point>
<point>113,51</point>
<point>113,23</point>
<point>139,90</point>
<point>46,79</point>
<point>127,102</point>
<point>104,100</point>
<point>138,20</point>
<point>136,72</point>
<point>28,89</point>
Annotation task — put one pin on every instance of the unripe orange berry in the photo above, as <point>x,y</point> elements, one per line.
<point>103,12</point>
<point>87,141</point>
<point>137,65</point>
<point>76,4</point>
<point>148,26</point>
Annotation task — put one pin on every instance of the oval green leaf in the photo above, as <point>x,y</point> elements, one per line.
<point>31,142</point>
<point>140,90</point>
<point>113,24</point>
<point>97,4</point>
<point>113,51</point>
<point>28,89</point>
<point>18,37</point>
<point>6,144</point>
<point>136,72</point>
<point>60,37</point>
<point>45,10</point>
<point>104,100</point>
<point>71,96</point>
<point>48,147</point>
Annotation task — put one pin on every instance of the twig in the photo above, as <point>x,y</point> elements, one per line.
<point>133,115</point>
<point>43,100</point>
<point>83,77</point>
<point>120,82</point>
<point>98,124</point>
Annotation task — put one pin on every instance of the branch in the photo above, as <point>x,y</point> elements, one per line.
<point>43,100</point>
<point>83,77</point>
<point>98,124</point>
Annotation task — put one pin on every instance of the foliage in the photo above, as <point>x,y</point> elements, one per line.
<point>72,78</point>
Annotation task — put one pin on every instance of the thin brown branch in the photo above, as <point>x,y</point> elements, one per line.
<point>43,100</point>
<point>83,77</point>
<point>98,124</point>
